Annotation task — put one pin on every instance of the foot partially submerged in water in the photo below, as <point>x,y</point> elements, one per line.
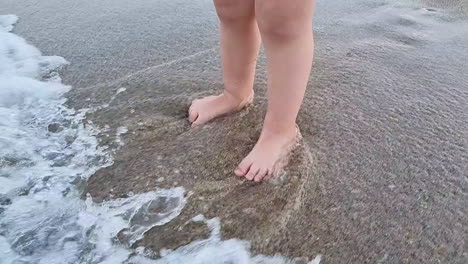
<point>286,32</point>
<point>269,155</point>
<point>210,107</point>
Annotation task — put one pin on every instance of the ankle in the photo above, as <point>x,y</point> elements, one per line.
<point>239,97</point>
<point>279,130</point>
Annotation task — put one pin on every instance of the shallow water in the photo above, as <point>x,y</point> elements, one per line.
<point>47,152</point>
<point>388,126</point>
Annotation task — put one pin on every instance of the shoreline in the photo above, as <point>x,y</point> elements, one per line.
<point>380,175</point>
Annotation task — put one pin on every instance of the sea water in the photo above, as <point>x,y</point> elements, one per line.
<point>47,152</point>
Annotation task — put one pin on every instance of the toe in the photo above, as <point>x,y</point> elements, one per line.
<point>252,172</point>
<point>239,172</point>
<point>199,120</point>
<point>243,168</point>
<point>260,175</point>
<point>192,115</point>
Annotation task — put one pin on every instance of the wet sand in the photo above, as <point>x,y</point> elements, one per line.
<point>381,175</point>
<point>105,40</point>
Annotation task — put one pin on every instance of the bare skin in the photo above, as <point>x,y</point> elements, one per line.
<point>240,42</point>
<point>210,107</point>
<point>286,30</point>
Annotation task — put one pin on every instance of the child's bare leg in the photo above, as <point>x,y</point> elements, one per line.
<point>286,30</point>
<point>240,41</point>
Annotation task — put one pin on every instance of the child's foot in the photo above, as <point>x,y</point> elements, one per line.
<point>210,107</point>
<point>269,156</point>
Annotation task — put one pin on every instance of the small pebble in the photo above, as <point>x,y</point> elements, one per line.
<point>54,128</point>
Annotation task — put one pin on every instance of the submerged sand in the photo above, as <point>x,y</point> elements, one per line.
<point>379,177</point>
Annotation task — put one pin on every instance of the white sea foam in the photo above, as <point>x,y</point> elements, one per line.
<point>7,22</point>
<point>215,250</point>
<point>120,131</point>
<point>46,151</point>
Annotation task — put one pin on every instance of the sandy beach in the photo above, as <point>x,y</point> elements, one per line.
<point>381,175</point>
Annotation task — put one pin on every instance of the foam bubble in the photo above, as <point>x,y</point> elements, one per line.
<point>7,22</point>
<point>215,250</point>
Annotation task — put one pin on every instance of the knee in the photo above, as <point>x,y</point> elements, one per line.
<point>277,21</point>
<point>233,10</point>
